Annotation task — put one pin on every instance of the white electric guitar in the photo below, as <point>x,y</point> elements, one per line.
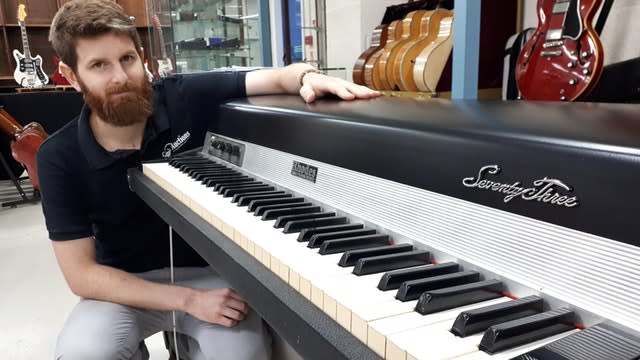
<point>165,67</point>
<point>28,71</point>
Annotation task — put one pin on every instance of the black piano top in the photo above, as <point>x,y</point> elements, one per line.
<point>593,149</point>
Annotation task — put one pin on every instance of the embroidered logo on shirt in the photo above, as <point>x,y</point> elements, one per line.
<point>170,148</point>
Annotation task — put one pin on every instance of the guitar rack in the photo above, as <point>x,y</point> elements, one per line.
<point>16,182</point>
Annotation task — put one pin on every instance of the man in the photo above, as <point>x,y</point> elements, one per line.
<point>113,249</point>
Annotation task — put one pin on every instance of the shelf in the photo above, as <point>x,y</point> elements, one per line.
<point>27,26</point>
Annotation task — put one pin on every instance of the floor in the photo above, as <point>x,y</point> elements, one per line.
<point>35,300</point>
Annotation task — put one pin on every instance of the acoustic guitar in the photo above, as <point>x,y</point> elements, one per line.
<point>28,71</point>
<point>378,40</point>
<point>563,59</point>
<point>431,61</point>
<point>371,76</point>
<point>403,67</point>
<point>165,67</point>
<point>27,141</point>
<point>410,30</point>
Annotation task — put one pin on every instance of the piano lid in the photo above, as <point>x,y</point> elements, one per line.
<point>571,164</point>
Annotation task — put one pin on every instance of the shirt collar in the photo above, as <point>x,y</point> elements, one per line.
<point>100,158</point>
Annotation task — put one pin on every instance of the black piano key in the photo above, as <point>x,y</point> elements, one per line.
<point>190,167</point>
<point>393,279</point>
<point>216,170</point>
<point>376,264</point>
<point>474,321</point>
<point>236,184</point>
<point>350,258</point>
<point>179,160</point>
<point>449,298</point>
<point>353,243</point>
<point>243,200</point>
<point>276,213</point>
<point>260,210</point>
<point>299,225</point>
<point>283,220</point>
<point>526,330</point>
<point>598,342</point>
<point>214,181</point>
<point>283,200</point>
<point>192,161</point>
<point>306,234</point>
<point>316,240</point>
<point>412,289</point>
<point>203,177</point>
<point>212,169</point>
<point>246,190</point>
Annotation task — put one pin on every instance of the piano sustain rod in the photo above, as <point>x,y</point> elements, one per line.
<point>282,261</point>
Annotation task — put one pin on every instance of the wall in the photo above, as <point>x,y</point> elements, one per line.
<point>349,27</point>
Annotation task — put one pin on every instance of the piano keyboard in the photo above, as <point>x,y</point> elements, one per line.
<point>478,230</point>
<point>394,297</point>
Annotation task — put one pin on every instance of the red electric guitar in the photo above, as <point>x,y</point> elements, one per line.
<point>563,60</point>
<point>57,77</point>
<point>27,141</point>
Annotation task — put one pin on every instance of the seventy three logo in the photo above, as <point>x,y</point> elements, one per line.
<point>544,190</point>
<point>170,148</point>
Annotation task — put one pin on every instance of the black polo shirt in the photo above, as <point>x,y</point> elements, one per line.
<point>84,187</point>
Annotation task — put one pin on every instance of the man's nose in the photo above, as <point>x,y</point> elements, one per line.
<point>119,75</point>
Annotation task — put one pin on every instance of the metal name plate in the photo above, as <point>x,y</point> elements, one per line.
<point>304,171</point>
<point>544,190</point>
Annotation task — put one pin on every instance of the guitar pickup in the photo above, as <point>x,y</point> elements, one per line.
<point>550,53</point>
<point>551,44</point>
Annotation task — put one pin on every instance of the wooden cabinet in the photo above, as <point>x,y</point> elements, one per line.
<point>38,20</point>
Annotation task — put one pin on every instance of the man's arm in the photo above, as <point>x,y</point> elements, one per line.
<point>88,279</point>
<point>287,80</point>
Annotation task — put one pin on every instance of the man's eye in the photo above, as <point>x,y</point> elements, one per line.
<point>97,65</point>
<point>128,58</point>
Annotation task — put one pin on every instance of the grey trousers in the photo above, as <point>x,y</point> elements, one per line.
<point>103,330</point>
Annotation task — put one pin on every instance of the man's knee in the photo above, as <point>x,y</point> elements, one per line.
<point>99,330</point>
<point>99,350</point>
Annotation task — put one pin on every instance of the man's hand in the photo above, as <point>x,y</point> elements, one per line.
<point>218,306</point>
<point>317,85</point>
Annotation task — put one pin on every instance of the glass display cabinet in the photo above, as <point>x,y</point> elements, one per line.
<point>202,35</point>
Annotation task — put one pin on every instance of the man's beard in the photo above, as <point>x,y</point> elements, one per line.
<point>121,110</point>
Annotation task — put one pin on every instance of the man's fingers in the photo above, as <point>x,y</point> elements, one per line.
<point>240,306</point>
<point>233,314</point>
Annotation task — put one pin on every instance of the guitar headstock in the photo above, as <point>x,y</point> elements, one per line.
<point>22,12</point>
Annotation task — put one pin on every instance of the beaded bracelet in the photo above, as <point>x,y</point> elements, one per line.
<point>308,71</point>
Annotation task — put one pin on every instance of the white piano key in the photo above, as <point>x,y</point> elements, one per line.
<point>379,330</point>
<point>431,342</point>
<point>507,354</point>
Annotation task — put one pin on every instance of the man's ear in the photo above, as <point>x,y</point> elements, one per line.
<point>71,77</point>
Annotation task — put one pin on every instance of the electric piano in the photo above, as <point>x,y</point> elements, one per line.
<point>420,229</point>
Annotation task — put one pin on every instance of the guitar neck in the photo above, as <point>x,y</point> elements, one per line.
<point>25,41</point>
<point>163,50</point>
<point>8,124</point>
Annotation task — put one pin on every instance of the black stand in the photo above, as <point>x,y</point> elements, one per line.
<point>25,199</point>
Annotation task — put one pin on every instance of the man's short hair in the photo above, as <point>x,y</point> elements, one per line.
<point>87,19</point>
